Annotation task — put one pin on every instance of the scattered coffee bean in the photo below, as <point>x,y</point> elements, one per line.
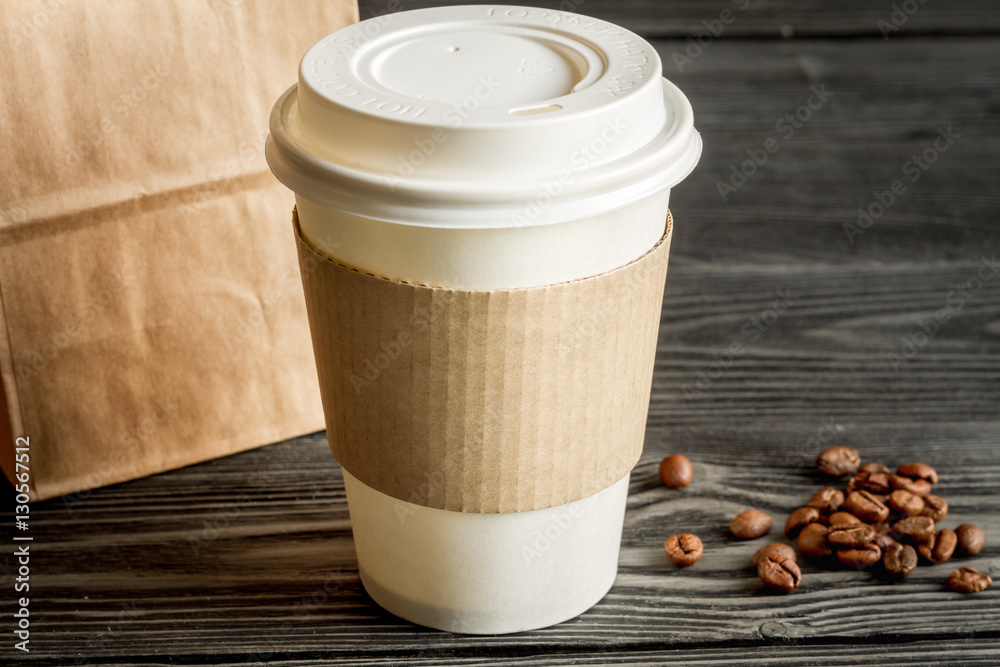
<point>843,518</point>
<point>812,541</point>
<point>773,549</point>
<point>838,461</point>
<point>857,527</point>
<point>865,506</point>
<point>969,580</point>
<point>899,560</point>
<point>918,471</point>
<point>906,502</point>
<point>841,537</point>
<point>925,549</point>
<point>920,487</point>
<point>915,528</point>
<point>827,499</point>
<point>676,471</point>
<point>873,482</point>
<point>779,572</point>
<point>684,549</point>
<point>970,538</point>
<point>799,519</point>
<point>935,507</point>
<point>863,555</point>
<point>941,548</point>
<point>750,524</point>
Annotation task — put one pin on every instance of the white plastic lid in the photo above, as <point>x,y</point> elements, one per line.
<point>481,116</point>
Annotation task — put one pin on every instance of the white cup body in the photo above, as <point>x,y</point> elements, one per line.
<point>486,573</point>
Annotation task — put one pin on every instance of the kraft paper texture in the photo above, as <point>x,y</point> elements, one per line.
<point>487,401</point>
<point>151,312</point>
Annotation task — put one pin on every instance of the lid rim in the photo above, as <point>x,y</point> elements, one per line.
<point>370,135</point>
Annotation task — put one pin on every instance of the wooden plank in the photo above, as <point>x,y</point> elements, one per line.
<point>753,18</point>
<point>794,208</point>
<point>272,569</point>
<point>975,651</point>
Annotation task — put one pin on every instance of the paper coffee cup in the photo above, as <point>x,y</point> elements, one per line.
<point>501,170</point>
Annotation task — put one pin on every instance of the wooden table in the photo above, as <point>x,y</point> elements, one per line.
<point>249,559</point>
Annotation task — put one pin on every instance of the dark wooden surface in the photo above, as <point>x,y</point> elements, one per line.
<point>249,559</point>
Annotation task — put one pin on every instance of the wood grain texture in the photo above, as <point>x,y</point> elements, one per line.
<point>249,559</point>
<point>754,18</point>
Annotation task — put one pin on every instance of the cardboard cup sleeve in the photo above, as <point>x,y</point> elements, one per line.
<point>486,401</point>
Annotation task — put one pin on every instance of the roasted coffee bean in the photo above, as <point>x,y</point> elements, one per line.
<point>941,548</point>
<point>918,471</point>
<point>899,560</point>
<point>799,519</point>
<point>969,580</point>
<point>906,502</point>
<point>915,528</point>
<point>838,461</point>
<point>874,467</point>
<point>970,538</point>
<point>866,507</point>
<point>779,572</point>
<point>841,537</point>
<point>773,549</point>
<point>885,540</point>
<point>749,524</point>
<point>864,555</point>
<point>925,548</point>
<point>827,499</point>
<point>843,518</point>
<point>935,507</point>
<point>676,471</point>
<point>873,482</point>
<point>920,487</point>
<point>684,549</point>
<point>812,541</point>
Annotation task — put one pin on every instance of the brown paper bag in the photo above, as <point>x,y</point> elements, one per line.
<point>151,312</point>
